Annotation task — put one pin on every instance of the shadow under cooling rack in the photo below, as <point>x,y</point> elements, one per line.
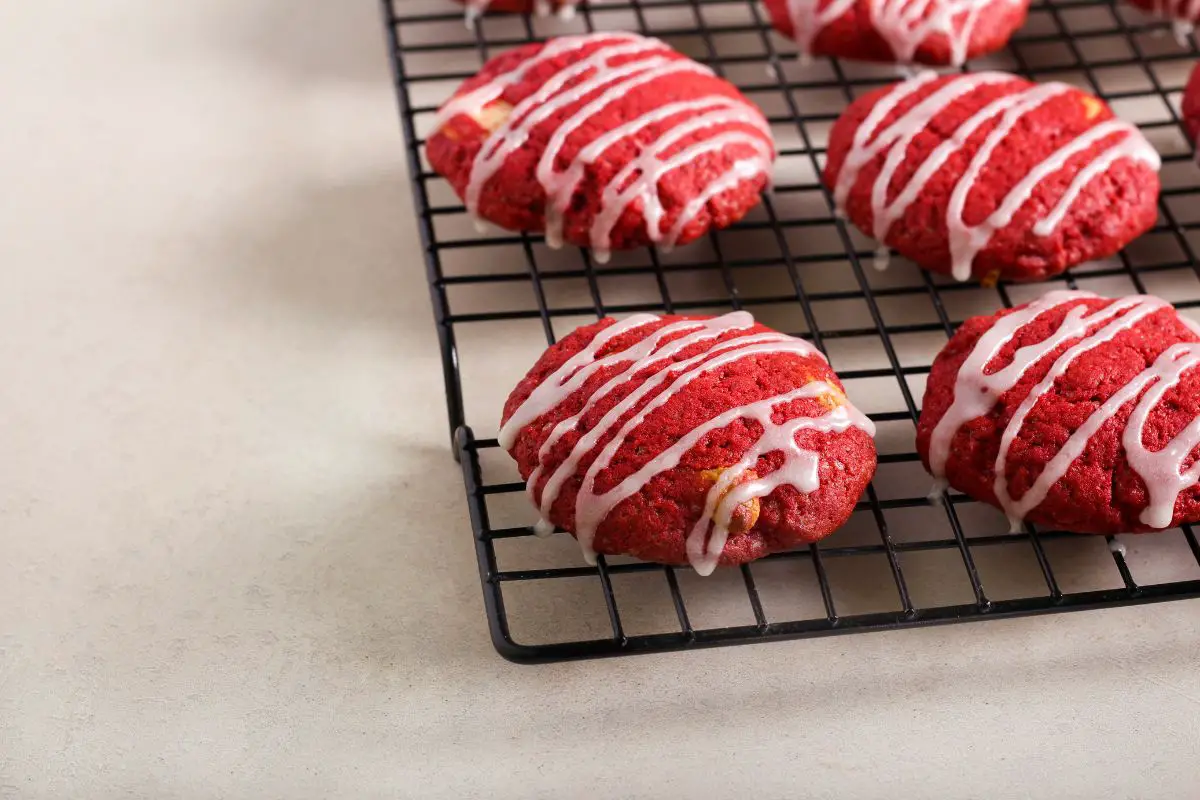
<point>901,561</point>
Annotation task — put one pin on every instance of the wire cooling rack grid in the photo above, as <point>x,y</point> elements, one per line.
<point>499,298</point>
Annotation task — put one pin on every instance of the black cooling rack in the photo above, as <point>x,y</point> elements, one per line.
<point>903,560</point>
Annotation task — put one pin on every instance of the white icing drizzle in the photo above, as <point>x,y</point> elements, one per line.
<point>473,102</point>
<point>903,24</point>
<point>640,176</point>
<point>656,357</point>
<point>976,393</point>
<point>642,356</point>
<point>872,139</point>
<point>800,468</point>
<point>1135,309</point>
<point>939,487</point>
<point>808,20</point>
<point>593,78</point>
<point>1161,469</point>
<point>568,378</point>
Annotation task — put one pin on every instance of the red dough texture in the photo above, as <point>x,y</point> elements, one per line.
<point>1100,492</point>
<point>1112,209</point>
<point>1191,106</point>
<point>854,35</point>
<point>514,199</point>
<point>653,524</point>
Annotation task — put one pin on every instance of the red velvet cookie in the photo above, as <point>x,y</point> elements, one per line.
<point>688,440</point>
<point>989,176</point>
<point>1191,107</point>
<point>1075,412</point>
<point>941,32</point>
<point>609,140</point>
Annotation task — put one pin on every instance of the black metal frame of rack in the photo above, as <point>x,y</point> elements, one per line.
<point>467,447</point>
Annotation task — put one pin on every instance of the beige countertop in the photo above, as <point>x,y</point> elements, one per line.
<point>236,554</point>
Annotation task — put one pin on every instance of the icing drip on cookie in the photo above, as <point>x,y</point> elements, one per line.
<point>656,358</point>
<point>1184,14</point>
<point>800,468</point>
<point>808,19</point>
<point>976,392</point>
<point>872,139</point>
<point>566,9</point>
<point>904,24</point>
<point>588,86</point>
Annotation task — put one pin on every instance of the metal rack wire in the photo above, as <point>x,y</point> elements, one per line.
<point>793,261</point>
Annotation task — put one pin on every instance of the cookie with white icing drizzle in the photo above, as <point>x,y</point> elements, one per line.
<point>931,32</point>
<point>688,440</point>
<point>1191,109</point>
<point>1075,412</point>
<point>989,176</point>
<point>609,141</point>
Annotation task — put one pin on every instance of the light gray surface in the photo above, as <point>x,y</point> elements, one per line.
<point>234,558</point>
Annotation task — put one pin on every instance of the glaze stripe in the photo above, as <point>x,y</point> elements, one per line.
<point>594,83</point>
<point>872,139</point>
<point>899,23</point>
<point>976,393</point>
